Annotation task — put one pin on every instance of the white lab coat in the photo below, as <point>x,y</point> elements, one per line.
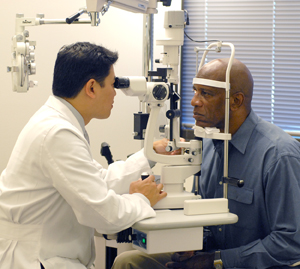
<point>53,194</point>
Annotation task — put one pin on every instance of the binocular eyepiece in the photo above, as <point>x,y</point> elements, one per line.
<point>121,83</point>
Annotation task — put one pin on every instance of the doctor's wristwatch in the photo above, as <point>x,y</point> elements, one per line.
<point>218,264</point>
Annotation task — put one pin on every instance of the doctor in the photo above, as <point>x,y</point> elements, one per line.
<point>52,193</point>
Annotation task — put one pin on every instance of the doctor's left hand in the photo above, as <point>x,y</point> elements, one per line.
<point>148,188</point>
<point>160,147</point>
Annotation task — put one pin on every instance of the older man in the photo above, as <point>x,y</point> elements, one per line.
<point>267,234</point>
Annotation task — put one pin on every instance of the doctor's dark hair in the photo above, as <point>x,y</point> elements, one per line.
<point>77,63</point>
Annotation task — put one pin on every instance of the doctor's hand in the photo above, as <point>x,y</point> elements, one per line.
<point>149,188</point>
<point>190,260</point>
<point>160,147</point>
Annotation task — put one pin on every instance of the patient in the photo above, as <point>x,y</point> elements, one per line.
<point>267,234</point>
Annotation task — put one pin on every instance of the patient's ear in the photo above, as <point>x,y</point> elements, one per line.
<point>236,100</point>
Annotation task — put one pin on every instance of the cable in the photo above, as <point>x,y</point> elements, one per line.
<point>201,41</point>
<point>188,23</point>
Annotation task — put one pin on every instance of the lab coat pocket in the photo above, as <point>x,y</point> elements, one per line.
<point>63,263</point>
<point>18,245</point>
<point>6,247</point>
<point>17,254</point>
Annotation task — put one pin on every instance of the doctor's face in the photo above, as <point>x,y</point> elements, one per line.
<point>105,96</point>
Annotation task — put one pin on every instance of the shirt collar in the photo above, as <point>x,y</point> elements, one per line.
<point>241,138</point>
<point>74,111</point>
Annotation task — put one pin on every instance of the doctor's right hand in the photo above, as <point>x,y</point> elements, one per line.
<point>149,188</point>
